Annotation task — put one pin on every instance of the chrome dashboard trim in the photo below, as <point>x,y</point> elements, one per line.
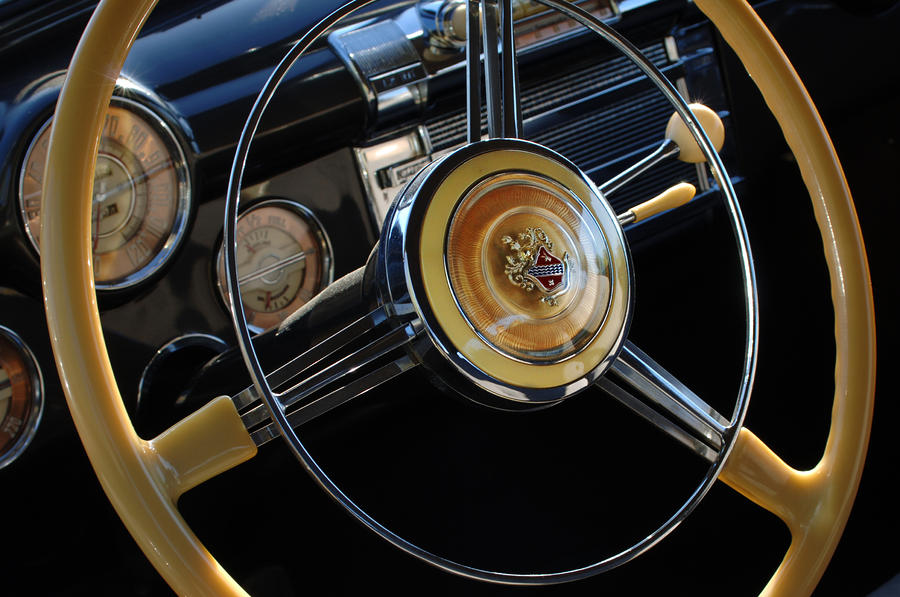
<point>386,67</point>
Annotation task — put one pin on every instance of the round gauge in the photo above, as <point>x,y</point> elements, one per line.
<point>141,195</point>
<point>283,260</point>
<point>21,396</point>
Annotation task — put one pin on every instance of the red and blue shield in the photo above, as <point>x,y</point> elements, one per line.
<point>548,270</point>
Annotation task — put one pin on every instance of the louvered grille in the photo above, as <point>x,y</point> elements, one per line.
<point>610,132</point>
<point>597,137</point>
<point>574,86</point>
<point>449,131</point>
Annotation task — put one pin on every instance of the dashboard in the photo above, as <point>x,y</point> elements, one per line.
<point>371,104</point>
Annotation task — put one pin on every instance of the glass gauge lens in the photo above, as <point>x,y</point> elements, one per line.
<point>141,195</point>
<point>21,399</point>
<point>283,260</point>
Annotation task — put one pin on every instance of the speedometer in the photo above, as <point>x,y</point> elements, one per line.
<point>141,195</point>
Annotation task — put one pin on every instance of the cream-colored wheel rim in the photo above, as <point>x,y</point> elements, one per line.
<point>144,478</point>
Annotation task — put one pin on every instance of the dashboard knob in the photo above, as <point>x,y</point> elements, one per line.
<point>444,22</point>
<point>678,132</point>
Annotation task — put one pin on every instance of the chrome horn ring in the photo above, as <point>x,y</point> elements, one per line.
<point>277,411</point>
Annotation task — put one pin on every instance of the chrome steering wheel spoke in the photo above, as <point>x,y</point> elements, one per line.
<point>501,81</point>
<point>361,356</point>
<point>666,402</point>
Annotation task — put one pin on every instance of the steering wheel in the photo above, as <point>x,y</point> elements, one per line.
<point>144,479</point>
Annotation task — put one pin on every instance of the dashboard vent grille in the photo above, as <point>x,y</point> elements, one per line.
<point>450,131</point>
<point>615,130</point>
<point>601,140</point>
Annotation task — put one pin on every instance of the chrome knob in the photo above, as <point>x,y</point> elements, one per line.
<point>444,22</point>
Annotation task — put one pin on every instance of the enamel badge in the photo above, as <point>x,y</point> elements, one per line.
<point>531,264</point>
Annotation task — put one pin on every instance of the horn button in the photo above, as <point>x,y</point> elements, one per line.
<point>529,267</point>
<point>516,265</point>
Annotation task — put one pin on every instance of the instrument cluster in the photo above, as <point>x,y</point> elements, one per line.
<point>144,208</point>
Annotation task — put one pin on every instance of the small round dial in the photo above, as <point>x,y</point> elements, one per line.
<point>21,396</point>
<point>283,260</point>
<point>141,195</point>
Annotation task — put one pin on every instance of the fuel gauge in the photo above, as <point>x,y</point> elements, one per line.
<point>283,259</point>
<point>21,396</point>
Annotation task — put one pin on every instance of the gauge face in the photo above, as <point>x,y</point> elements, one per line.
<point>141,195</point>
<point>21,399</point>
<point>283,260</point>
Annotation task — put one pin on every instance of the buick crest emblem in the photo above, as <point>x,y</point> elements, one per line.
<point>531,264</point>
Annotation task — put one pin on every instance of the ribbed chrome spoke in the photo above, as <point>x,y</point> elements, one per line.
<point>512,112</point>
<point>335,398</point>
<point>473,70</point>
<point>493,83</point>
<point>646,387</point>
<point>357,358</point>
<point>497,40</point>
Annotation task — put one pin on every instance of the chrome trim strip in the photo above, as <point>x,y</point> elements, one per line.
<point>492,75</point>
<point>345,366</point>
<point>313,356</point>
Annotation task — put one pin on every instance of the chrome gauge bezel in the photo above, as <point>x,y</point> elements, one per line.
<point>30,425</point>
<point>326,260</point>
<point>183,199</point>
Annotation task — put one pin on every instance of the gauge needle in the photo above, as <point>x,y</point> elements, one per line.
<point>101,197</point>
<point>97,229</point>
<point>268,299</point>
<point>296,258</point>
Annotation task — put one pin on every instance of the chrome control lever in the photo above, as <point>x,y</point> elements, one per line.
<point>679,142</point>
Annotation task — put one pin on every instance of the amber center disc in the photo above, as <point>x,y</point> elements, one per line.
<point>529,267</point>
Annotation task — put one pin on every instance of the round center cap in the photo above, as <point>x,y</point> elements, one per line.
<point>516,266</point>
<point>529,267</point>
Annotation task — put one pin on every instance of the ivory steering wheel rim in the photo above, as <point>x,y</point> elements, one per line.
<point>144,478</point>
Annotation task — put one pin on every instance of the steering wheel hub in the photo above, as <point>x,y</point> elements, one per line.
<point>522,276</point>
